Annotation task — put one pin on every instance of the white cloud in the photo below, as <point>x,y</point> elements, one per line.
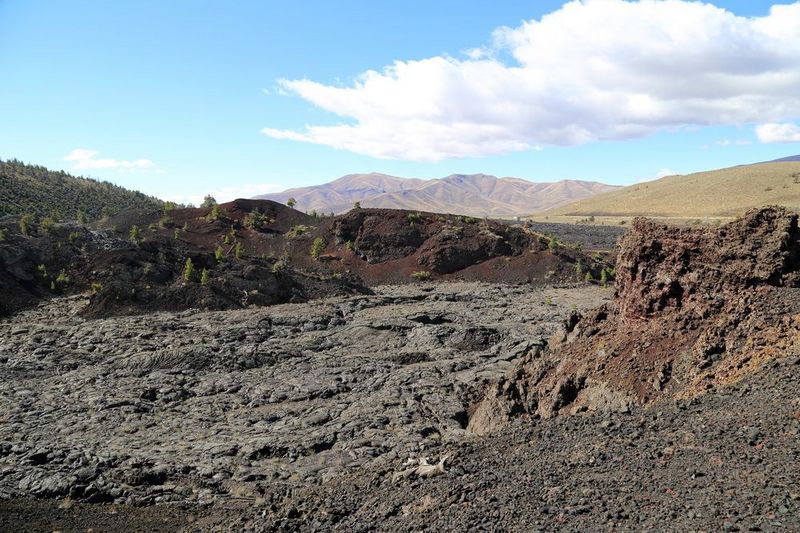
<point>85,159</point>
<point>732,142</point>
<point>778,133</point>
<point>226,194</point>
<point>663,173</point>
<point>592,70</point>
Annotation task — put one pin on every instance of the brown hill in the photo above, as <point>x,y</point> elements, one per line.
<point>727,192</point>
<point>474,194</point>
<point>261,252</point>
<point>695,309</point>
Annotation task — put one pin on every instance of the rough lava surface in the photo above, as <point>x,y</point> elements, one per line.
<point>695,309</point>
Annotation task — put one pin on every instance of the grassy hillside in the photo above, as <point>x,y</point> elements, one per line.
<point>35,190</point>
<point>718,193</point>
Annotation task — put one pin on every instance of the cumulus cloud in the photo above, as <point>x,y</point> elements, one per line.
<point>592,70</point>
<point>87,160</point>
<point>778,133</point>
<point>226,194</point>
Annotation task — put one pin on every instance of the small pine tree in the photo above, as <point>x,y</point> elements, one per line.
<point>47,224</point>
<point>589,278</point>
<point>357,205</point>
<point>604,277</point>
<point>317,247</point>
<point>579,268</point>
<point>81,217</point>
<point>219,254</point>
<point>25,224</point>
<point>188,270</point>
<point>209,201</point>
<point>552,245</point>
<point>213,214</point>
<point>291,202</point>
<point>238,250</point>
<point>135,234</point>
<point>2,234</point>
<point>204,277</point>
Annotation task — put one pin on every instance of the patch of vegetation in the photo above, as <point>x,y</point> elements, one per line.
<point>26,224</point>
<point>357,205</point>
<point>134,233</point>
<point>35,190</point>
<point>238,250</point>
<point>317,247</point>
<point>291,202</point>
<point>204,277</point>
<point>552,245</point>
<point>219,254</point>
<point>81,217</point>
<point>213,214</point>
<point>74,236</point>
<point>96,287</point>
<point>188,269</point>
<point>413,217</point>
<point>208,201</point>
<point>281,265</point>
<point>297,231</point>
<point>256,220</point>
<point>421,275</point>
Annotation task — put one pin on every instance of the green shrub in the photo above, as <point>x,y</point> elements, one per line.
<point>26,224</point>
<point>81,217</point>
<point>74,236</point>
<point>42,270</point>
<point>357,205</point>
<point>188,270</point>
<point>256,220</point>
<point>413,217</point>
<point>552,245</point>
<point>208,201</point>
<point>317,247</point>
<point>421,275</point>
<point>296,231</point>
<point>349,246</point>
<point>62,278</point>
<point>3,234</point>
<point>213,214</point>
<point>219,254</point>
<point>96,286</point>
<point>589,277</point>
<point>291,202</point>
<point>238,250</point>
<point>280,265</point>
<point>204,277</point>
<point>134,233</point>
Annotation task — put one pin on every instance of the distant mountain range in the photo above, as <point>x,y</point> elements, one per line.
<point>723,192</point>
<point>471,194</point>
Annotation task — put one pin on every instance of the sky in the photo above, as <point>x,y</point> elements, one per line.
<point>185,98</point>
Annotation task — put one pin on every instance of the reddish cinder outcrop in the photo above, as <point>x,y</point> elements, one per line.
<point>694,309</point>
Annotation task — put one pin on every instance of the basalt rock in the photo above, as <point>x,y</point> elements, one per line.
<point>695,309</point>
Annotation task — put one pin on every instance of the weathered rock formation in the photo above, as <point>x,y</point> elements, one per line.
<point>694,309</point>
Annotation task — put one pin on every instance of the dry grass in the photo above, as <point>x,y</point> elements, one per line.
<point>717,194</point>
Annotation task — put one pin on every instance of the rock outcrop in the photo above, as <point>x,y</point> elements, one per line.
<point>695,309</point>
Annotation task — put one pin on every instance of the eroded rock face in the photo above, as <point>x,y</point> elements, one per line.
<point>695,309</point>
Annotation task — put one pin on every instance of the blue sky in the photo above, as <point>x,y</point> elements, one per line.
<point>182,98</point>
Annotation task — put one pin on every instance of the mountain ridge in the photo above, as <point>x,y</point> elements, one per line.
<point>468,194</point>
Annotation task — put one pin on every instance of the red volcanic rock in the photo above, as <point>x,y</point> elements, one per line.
<point>695,309</point>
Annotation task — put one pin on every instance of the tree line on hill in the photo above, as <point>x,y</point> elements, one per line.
<point>35,191</point>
